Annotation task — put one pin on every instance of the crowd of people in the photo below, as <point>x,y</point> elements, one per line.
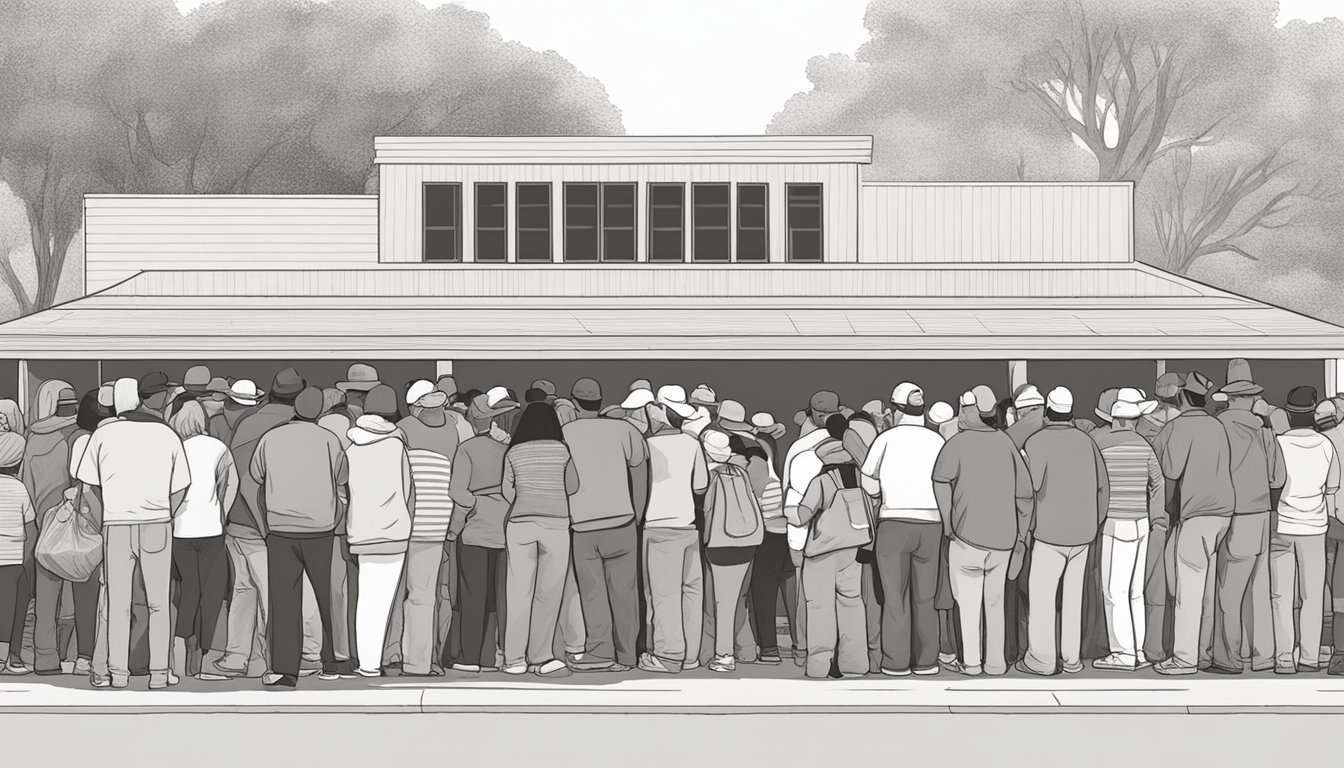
<point>350,530</point>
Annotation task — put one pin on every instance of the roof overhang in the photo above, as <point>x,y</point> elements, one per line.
<point>605,150</point>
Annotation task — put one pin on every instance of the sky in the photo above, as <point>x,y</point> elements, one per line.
<point>704,66</point>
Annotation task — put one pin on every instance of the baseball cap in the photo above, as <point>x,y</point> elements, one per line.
<point>673,396</point>
<point>497,396</point>
<point>704,395</point>
<point>732,411</point>
<point>906,393</point>
<point>1168,384</point>
<point>424,394</point>
<point>545,386</point>
<point>824,402</point>
<point>68,396</point>
<point>1197,383</point>
<point>586,389</point>
<point>196,379</point>
<point>718,446</point>
<point>1028,397</point>
<point>638,398</point>
<point>154,383</point>
<point>1326,411</point>
<point>1060,400</point>
<point>1130,403</point>
<point>940,413</point>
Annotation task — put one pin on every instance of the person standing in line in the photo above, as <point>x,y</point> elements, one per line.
<point>1297,550</point>
<point>673,574</point>
<point>360,380</point>
<point>612,460</point>
<point>1133,510</point>
<point>539,479</point>
<point>837,515</point>
<point>899,470</point>
<point>381,494</point>
<point>1073,493</point>
<point>300,468</point>
<point>18,528</point>
<point>240,401</point>
<point>985,498</point>
<point>431,441</point>
<point>1258,474</point>
<point>477,527</point>
<point>1196,458</point>
<point>1328,423</point>
<point>734,527</point>
<point>140,470</point>
<point>199,557</point>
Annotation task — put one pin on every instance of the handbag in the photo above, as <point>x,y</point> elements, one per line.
<point>70,543</point>
<point>847,523</point>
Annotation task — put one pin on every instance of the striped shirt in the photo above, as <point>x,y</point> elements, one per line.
<point>430,472</point>
<point>1137,485</point>
<point>539,478</point>
<point>16,509</point>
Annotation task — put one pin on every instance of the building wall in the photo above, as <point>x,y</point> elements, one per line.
<point>975,223</point>
<point>402,219</point>
<point>124,234</point>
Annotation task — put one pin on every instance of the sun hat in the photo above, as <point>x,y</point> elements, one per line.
<point>359,378</point>
<point>940,413</point>
<point>423,394</point>
<point>1028,397</point>
<point>733,416</point>
<point>907,393</point>
<point>244,392</point>
<point>717,445</point>
<point>673,397</point>
<point>1131,403</point>
<point>1239,381</point>
<point>638,398</point>
<point>1060,400</point>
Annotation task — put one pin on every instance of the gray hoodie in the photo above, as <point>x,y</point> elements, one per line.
<point>382,493</point>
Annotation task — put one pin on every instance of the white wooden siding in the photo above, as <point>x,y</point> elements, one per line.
<point>124,234</point>
<point>968,223</point>
<point>402,218</point>
<point>583,150</point>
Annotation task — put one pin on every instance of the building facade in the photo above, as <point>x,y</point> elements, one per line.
<point>766,262</point>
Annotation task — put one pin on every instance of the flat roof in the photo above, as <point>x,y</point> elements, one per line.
<point>688,311</point>
<point>568,150</point>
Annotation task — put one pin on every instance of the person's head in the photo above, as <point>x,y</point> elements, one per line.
<point>547,388</point>
<point>125,395</point>
<point>91,412</point>
<point>740,447</point>
<point>822,407</point>
<point>189,420</point>
<point>422,397</point>
<point>985,403</point>
<point>1168,389</point>
<point>309,404</point>
<point>446,384</point>
<point>1327,416</point>
<point>12,446</point>
<point>534,395</point>
<point>1005,414</point>
<point>939,413</point>
<point>538,422</point>
<point>863,417</point>
<point>1059,405</point>
<point>1027,401</point>
<point>382,401</point>
<point>1195,392</point>
<point>1301,407</point>
<point>587,394</point>
<point>286,386</point>
<point>907,399</point>
<point>717,445</point>
<point>836,425</point>
<point>67,402</point>
<point>465,399</point>
<point>153,389</point>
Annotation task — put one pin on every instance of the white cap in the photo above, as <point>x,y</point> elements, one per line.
<point>1060,400</point>
<point>1130,404</point>
<point>906,393</point>
<point>673,396</point>
<point>638,398</point>
<point>940,413</point>
<point>717,445</point>
<point>967,399</point>
<point>762,420</point>
<point>496,395</point>
<point>1031,396</point>
<point>126,395</point>
<point>424,394</point>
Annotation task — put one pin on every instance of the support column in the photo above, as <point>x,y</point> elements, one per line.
<point>1017,375</point>
<point>443,368</point>
<point>1334,377</point>
<point>24,391</point>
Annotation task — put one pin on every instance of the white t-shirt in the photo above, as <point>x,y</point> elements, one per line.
<point>900,465</point>
<point>677,471</point>
<point>1313,471</point>
<point>202,512</point>
<point>801,466</point>
<point>138,465</point>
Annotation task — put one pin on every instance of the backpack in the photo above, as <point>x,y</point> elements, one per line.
<point>846,523</point>
<point>735,520</point>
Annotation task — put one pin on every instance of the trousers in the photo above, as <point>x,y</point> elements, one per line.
<point>978,578</point>
<point>378,577</point>
<point>289,560</point>
<point>674,584</point>
<point>1057,573</point>
<point>1124,549</point>
<point>607,572</point>
<point>1243,581</point>
<point>1297,567</point>
<point>836,626</point>
<point>908,564</point>
<point>537,562</point>
<point>125,547</point>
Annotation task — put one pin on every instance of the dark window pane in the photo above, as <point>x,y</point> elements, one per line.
<point>806,245</point>
<point>665,194</point>
<point>580,194</point>
<point>805,241</point>
<point>667,220</point>
<point>441,245</point>
<point>711,244</point>
<point>751,194</point>
<point>534,245</point>
<point>492,245</point>
<point>665,245</point>
<point>534,194</point>
<point>581,216</point>
<point>752,245</point>
<point>492,206</point>
<point>581,245</point>
<point>618,245</point>
<point>804,216</point>
<point>442,205</point>
<point>618,206</point>
<point>710,222</point>
<point>534,222</point>
<point>666,217</point>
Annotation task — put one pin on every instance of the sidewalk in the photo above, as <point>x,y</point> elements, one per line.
<point>696,693</point>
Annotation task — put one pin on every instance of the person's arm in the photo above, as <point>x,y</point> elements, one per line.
<point>942,493</point>
<point>258,466</point>
<point>637,467</point>
<point>1157,494</point>
<point>180,479</point>
<point>813,502</point>
<point>506,485</point>
<point>571,477</point>
<point>342,472</point>
<point>459,481</point>
<point>872,466</point>
<point>1278,476</point>
<point>1026,499</point>
<point>1331,485</point>
<point>1103,484</point>
<point>407,480</point>
<point>226,474</point>
<point>945,469</point>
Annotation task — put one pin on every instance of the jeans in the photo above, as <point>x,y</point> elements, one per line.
<point>343,575</point>
<point>378,577</point>
<point>743,642</point>
<point>50,592</point>
<point>10,576</point>
<point>1124,548</point>
<point>125,547</point>
<point>538,559</point>
<point>1243,580</point>
<point>202,570</point>
<point>1156,593</point>
<point>1193,568</point>
<point>1057,573</point>
<point>836,627</point>
<point>1297,567</point>
<point>767,579</point>
<point>573,637</point>
<point>607,573</point>
<point>728,583</point>
<point>289,559</point>
<point>908,563</point>
<point>414,625</point>
<point>480,592</point>
<point>978,578</point>
<point>674,583</point>
<point>249,608</point>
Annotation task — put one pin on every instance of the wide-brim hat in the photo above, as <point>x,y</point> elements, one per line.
<point>245,392</point>
<point>1241,388</point>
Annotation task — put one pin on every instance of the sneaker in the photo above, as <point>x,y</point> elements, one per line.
<point>100,682</point>
<point>1308,669</point>
<point>1173,667</point>
<point>1219,669</point>
<point>272,680</point>
<point>1022,667</point>
<point>1336,664</point>
<point>895,672</point>
<point>619,668</point>
<point>119,681</point>
<point>515,669</point>
<point>16,667</point>
<point>1071,669</point>
<point>552,668</point>
<point>309,671</point>
<point>369,672</point>
<point>590,665</point>
<point>690,664</point>
<point>160,680</point>
<point>67,667</point>
<point>961,669</point>
<point>83,667</point>
<point>770,658</point>
<point>471,668</point>
<point>328,675</point>
<point>926,671</point>
<point>1115,663</point>
<point>650,663</point>
<point>799,656</point>
<point>723,664</point>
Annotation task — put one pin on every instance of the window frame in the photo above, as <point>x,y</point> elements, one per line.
<point>426,228</point>
<point>764,229</point>
<point>602,221</point>
<point>820,229</point>
<point>681,223</point>
<point>727,227</point>
<point>518,222</point>
<point>597,222</point>
<point>477,228</point>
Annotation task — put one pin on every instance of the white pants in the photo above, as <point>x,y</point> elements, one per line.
<point>378,579</point>
<point>1124,550</point>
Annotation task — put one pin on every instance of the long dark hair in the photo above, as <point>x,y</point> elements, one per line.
<point>538,422</point>
<point>90,413</point>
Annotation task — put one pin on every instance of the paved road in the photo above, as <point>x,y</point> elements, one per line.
<point>642,741</point>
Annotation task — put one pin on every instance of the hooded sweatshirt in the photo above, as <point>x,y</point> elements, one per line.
<point>992,492</point>
<point>822,489</point>
<point>1257,463</point>
<point>1313,474</point>
<point>382,492</point>
<point>45,458</point>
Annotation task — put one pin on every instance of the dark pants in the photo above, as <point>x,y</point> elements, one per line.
<point>13,605</point>
<point>288,559</point>
<point>606,568</point>
<point>1336,548</point>
<point>47,644</point>
<point>908,559</point>
<point>767,578</point>
<point>202,572</point>
<point>480,591</point>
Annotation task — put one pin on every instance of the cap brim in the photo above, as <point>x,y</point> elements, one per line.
<point>435,399</point>
<point>736,426</point>
<point>633,401</point>
<point>356,386</point>
<point>684,410</point>
<point>1102,414</point>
